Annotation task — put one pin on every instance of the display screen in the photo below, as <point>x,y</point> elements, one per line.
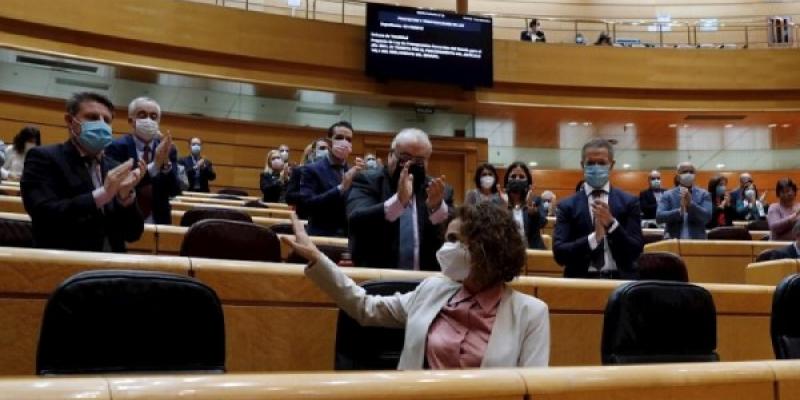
<point>437,46</point>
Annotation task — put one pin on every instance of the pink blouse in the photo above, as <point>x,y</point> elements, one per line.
<point>780,221</point>
<point>460,333</point>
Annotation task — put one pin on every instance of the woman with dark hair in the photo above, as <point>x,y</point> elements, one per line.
<point>723,212</point>
<point>782,215</point>
<point>485,187</point>
<point>467,317</point>
<point>525,208</point>
<point>751,205</point>
<point>27,138</point>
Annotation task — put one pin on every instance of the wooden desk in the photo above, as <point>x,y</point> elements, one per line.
<point>771,272</point>
<point>252,211</point>
<point>266,222</point>
<point>213,195</point>
<point>9,190</point>
<point>11,204</point>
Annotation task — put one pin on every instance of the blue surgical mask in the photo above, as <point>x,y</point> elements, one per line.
<point>750,193</point>
<point>596,176</point>
<point>721,189</point>
<point>372,164</point>
<point>545,205</point>
<point>320,154</point>
<point>655,183</point>
<point>196,149</point>
<point>94,136</point>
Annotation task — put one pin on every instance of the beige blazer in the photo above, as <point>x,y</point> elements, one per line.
<point>520,334</point>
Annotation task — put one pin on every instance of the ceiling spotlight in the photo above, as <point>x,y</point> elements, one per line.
<point>673,125</point>
<point>729,125</point>
<point>573,123</point>
<point>626,166</point>
<point>629,125</point>
<point>785,125</point>
<point>685,125</point>
<point>720,166</point>
<point>587,123</point>
<point>772,125</point>
<point>533,164</point>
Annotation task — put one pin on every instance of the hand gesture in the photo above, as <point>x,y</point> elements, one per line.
<point>686,198</point>
<point>502,193</point>
<point>130,180</point>
<point>435,191</point>
<point>602,213</point>
<point>115,177</point>
<point>405,186</point>
<point>302,244</point>
<point>347,179</point>
<point>762,197</point>
<point>725,201</point>
<point>201,163</point>
<point>529,200</point>
<point>599,229</point>
<point>162,151</point>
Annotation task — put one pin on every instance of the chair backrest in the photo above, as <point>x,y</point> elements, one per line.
<point>226,197</point>
<point>662,266</point>
<point>234,192</point>
<point>201,213</point>
<point>255,204</point>
<point>729,233</point>
<point>370,348</point>
<point>331,251</point>
<point>785,324</point>
<point>233,240</point>
<point>767,255</point>
<point>283,229</point>
<point>16,233</point>
<point>658,321</point>
<point>652,237</point>
<point>106,321</point>
<point>759,225</point>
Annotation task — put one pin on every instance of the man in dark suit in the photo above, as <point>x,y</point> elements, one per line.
<point>598,229</point>
<point>685,209</point>
<point>745,179</point>
<point>648,199</point>
<point>325,183</point>
<point>397,214</point>
<point>161,181</point>
<point>78,198</point>
<point>533,33</point>
<point>199,170</point>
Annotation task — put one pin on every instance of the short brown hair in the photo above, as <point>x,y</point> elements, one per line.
<point>74,102</point>
<point>494,241</point>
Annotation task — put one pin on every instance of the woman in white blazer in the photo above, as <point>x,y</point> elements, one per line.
<point>465,318</point>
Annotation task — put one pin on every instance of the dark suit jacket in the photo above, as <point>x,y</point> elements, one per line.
<point>373,239</point>
<point>57,194</point>
<point>699,212</point>
<point>737,196</point>
<point>273,190</point>
<point>293,196</point>
<point>574,224</point>
<point>198,179</point>
<point>165,185</point>
<point>784,252</point>
<point>648,203</point>
<point>527,37</point>
<point>321,199</point>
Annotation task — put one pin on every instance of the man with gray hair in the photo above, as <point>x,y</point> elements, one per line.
<point>148,144</point>
<point>648,198</point>
<point>685,209</point>
<point>396,213</point>
<point>790,251</point>
<point>598,230</point>
<point>745,180</point>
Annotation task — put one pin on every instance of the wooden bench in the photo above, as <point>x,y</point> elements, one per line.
<point>9,190</point>
<point>717,261</point>
<point>252,211</point>
<point>214,195</point>
<point>755,380</point>
<point>771,272</point>
<point>11,204</point>
<point>263,221</point>
<point>238,203</point>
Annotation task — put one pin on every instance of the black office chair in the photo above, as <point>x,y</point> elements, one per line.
<point>202,213</point>
<point>255,204</point>
<point>659,322</point>
<point>370,348</point>
<point>16,233</point>
<point>767,255</point>
<point>233,240</point>
<point>729,233</point>
<point>282,229</point>
<point>760,225</point>
<point>652,237</point>
<point>107,321</point>
<point>232,192</point>
<point>784,323</point>
<point>661,266</point>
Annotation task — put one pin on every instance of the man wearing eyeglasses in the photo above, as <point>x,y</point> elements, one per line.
<point>396,213</point>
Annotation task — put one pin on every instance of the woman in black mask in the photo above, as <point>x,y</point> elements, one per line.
<point>525,208</point>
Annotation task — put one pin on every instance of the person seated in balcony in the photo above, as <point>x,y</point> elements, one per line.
<point>466,317</point>
<point>534,33</point>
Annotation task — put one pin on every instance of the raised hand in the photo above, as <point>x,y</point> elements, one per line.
<point>131,179</point>
<point>502,193</point>
<point>115,177</point>
<point>435,191</point>
<point>347,179</point>
<point>405,186</point>
<point>302,243</point>
<point>602,213</point>
<point>162,151</point>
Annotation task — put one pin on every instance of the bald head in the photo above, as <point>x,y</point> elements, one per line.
<point>745,179</point>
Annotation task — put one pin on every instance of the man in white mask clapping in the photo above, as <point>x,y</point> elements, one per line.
<point>685,209</point>
<point>148,144</point>
<point>199,170</point>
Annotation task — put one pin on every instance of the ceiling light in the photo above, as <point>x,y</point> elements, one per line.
<point>673,125</point>
<point>587,123</point>
<point>573,123</point>
<point>629,125</point>
<point>720,166</point>
<point>533,164</point>
<point>729,125</point>
<point>626,166</point>
<point>772,125</point>
<point>685,125</point>
<point>785,125</point>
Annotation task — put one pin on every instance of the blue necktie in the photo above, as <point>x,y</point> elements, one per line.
<point>405,256</point>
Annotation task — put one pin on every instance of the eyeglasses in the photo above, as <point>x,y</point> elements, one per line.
<point>405,157</point>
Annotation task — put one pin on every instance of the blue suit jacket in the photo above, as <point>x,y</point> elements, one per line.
<point>669,212</point>
<point>574,224</point>
<point>165,185</point>
<point>321,199</point>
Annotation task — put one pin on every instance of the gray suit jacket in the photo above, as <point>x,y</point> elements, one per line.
<point>699,211</point>
<point>520,335</point>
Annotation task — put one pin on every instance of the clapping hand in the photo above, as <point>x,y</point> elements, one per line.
<point>302,243</point>
<point>405,186</point>
<point>347,179</point>
<point>162,151</point>
<point>435,191</point>
<point>129,182</point>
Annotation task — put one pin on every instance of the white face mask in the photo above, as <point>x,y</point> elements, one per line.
<point>277,164</point>
<point>487,182</point>
<point>146,129</point>
<point>454,260</point>
<point>686,179</point>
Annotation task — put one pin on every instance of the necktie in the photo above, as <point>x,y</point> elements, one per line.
<point>405,257</point>
<point>144,193</point>
<point>598,255</point>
